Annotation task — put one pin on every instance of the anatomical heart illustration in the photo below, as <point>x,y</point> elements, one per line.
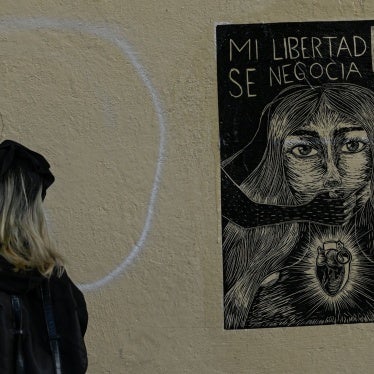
<point>296,117</point>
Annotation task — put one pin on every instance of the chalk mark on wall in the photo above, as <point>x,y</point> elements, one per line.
<point>107,33</point>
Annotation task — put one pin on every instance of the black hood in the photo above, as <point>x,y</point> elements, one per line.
<point>18,282</point>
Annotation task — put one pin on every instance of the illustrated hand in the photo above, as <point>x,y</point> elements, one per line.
<point>331,211</point>
<point>362,196</point>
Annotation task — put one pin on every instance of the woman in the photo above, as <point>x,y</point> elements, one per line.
<point>320,141</point>
<point>43,315</point>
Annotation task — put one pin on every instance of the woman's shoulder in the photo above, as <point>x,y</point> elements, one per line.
<point>61,282</point>
<point>65,291</point>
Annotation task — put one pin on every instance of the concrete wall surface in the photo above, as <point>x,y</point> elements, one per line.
<point>121,97</point>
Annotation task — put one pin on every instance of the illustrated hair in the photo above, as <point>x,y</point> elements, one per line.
<point>250,255</point>
<point>24,237</point>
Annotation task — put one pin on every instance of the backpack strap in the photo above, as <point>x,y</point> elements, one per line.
<point>18,332</point>
<point>51,326</point>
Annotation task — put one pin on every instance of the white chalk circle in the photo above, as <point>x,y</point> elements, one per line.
<point>108,34</point>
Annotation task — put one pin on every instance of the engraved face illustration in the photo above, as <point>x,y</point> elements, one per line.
<point>328,154</point>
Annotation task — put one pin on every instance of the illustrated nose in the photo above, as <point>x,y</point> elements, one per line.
<point>332,177</point>
<point>331,183</point>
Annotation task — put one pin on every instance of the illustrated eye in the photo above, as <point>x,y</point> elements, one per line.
<point>304,150</point>
<point>353,146</point>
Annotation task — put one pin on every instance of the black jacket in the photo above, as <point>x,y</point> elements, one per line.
<point>70,315</point>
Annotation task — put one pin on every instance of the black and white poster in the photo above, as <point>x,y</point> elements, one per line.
<point>296,118</point>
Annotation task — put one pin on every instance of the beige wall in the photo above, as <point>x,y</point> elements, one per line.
<point>70,93</point>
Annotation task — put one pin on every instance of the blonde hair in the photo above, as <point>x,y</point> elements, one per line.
<point>24,237</point>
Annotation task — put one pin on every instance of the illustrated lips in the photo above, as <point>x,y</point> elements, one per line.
<point>333,267</point>
<point>335,194</point>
